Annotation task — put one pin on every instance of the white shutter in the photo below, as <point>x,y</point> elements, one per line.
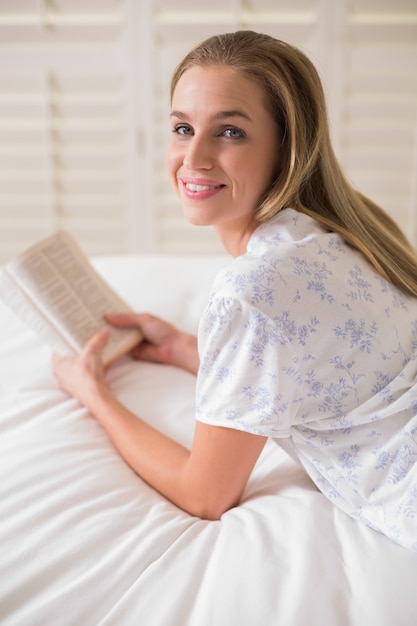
<point>379,107</point>
<point>25,182</point>
<point>84,104</point>
<point>67,138</point>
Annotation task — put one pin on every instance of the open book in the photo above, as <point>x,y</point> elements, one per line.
<point>55,290</point>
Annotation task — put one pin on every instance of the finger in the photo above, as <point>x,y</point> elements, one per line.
<point>97,341</point>
<point>124,319</point>
<point>143,351</point>
<point>148,352</point>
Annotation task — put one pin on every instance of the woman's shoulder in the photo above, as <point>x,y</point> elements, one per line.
<point>269,265</point>
<point>287,241</point>
<point>292,257</point>
<point>290,229</point>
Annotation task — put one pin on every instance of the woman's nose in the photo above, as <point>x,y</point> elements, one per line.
<point>199,154</point>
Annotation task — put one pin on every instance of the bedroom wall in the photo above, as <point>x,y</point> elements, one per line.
<point>84,109</point>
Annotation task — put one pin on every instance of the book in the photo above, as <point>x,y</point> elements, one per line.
<point>55,290</point>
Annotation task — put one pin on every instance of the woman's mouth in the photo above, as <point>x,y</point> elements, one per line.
<point>201,189</point>
<point>193,187</point>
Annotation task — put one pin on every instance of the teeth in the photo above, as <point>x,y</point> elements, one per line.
<point>193,187</point>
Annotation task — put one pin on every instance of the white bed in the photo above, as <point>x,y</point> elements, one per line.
<point>86,542</point>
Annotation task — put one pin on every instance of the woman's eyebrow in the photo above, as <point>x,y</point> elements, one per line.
<point>220,115</point>
<point>233,113</point>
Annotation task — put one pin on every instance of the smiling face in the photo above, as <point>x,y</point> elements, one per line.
<point>224,150</point>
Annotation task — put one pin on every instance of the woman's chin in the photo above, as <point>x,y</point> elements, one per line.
<point>196,217</point>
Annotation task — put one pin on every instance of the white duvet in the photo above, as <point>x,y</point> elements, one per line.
<point>86,542</point>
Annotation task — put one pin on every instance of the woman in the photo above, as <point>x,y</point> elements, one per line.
<point>310,335</point>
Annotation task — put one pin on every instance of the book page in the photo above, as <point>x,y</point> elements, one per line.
<point>57,276</point>
<point>29,313</point>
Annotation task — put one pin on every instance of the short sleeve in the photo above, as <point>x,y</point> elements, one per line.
<point>248,373</point>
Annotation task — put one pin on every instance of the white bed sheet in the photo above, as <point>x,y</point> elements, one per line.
<point>85,541</point>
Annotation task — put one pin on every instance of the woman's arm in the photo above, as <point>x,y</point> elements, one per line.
<point>205,482</point>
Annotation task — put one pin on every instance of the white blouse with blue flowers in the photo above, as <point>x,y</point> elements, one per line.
<point>303,341</point>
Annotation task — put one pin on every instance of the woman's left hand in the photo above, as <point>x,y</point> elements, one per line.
<point>82,375</point>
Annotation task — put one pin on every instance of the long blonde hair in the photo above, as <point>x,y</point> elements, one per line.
<point>310,179</point>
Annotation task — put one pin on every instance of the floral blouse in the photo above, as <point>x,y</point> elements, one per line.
<point>304,342</point>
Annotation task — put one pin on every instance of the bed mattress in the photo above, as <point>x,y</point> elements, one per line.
<point>85,541</point>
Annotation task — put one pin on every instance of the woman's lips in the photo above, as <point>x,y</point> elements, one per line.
<point>200,189</point>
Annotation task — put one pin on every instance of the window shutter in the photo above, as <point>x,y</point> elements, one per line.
<point>379,105</point>
<point>84,106</point>
<point>67,148</point>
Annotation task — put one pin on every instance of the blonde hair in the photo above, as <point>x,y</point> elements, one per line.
<point>310,179</point>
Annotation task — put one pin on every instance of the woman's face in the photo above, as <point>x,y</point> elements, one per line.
<point>224,150</point>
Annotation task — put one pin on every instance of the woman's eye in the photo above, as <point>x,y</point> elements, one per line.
<point>234,133</point>
<point>182,129</point>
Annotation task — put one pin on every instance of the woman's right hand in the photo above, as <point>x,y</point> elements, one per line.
<point>163,342</point>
